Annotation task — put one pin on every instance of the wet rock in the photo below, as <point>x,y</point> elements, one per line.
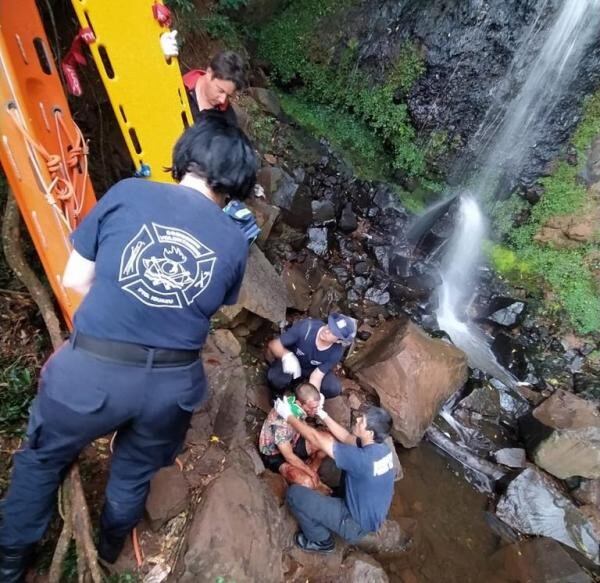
<point>266,215</point>
<point>294,202</point>
<point>361,268</point>
<point>236,532</point>
<point>572,447</point>
<point>317,240</point>
<point>297,286</point>
<point>382,254</point>
<point>412,373</point>
<point>533,504</point>
<point>377,296</point>
<point>263,292</point>
<point>593,162</point>
<point>392,537</point>
<point>362,568</point>
<point>339,410</point>
<point>588,492</point>
<point>348,221</point>
<point>169,495</point>
<point>328,297</point>
<point>323,212</point>
<point>267,99</point>
<point>513,457</point>
<point>270,177</point>
<point>510,354</point>
<point>506,312</point>
<point>539,559</point>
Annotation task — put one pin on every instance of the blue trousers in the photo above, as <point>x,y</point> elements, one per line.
<point>280,381</point>
<point>318,515</point>
<point>83,397</point>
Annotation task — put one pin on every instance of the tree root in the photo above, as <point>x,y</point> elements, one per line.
<point>76,517</point>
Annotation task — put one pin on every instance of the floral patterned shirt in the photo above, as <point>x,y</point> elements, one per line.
<point>274,432</point>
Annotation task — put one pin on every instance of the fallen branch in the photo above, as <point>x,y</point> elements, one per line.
<point>76,517</point>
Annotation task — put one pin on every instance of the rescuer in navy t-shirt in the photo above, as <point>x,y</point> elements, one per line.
<point>309,351</point>
<point>368,467</point>
<point>154,261</point>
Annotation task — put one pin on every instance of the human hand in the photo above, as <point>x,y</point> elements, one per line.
<point>321,413</point>
<point>259,191</point>
<point>291,365</point>
<point>168,44</point>
<point>283,408</point>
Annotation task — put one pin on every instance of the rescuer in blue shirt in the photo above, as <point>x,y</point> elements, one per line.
<point>368,468</point>
<point>154,261</point>
<point>309,350</point>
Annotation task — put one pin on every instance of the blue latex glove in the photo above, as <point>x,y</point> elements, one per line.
<point>244,219</point>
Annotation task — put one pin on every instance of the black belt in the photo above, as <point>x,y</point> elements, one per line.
<point>137,354</point>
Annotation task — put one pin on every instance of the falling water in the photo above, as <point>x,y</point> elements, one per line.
<point>505,140</point>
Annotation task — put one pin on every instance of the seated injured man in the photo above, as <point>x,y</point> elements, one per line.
<point>368,469</point>
<point>310,350</point>
<point>284,450</point>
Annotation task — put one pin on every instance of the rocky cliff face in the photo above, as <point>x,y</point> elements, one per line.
<point>468,46</point>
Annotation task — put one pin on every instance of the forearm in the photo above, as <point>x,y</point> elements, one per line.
<point>338,431</point>
<point>316,378</point>
<point>317,438</point>
<point>278,349</point>
<point>295,461</point>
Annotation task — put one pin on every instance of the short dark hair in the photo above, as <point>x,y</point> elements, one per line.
<point>305,391</point>
<point>220,153</point>
<point>229,66</point>
<point>379,422</point>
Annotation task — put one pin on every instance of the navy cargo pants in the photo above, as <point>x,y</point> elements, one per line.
<point>280,381</point>
<point>83,397</point>
<point>318,515</point>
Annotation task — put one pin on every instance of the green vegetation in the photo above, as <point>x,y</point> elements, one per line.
<point>350,136</point>
<point>324,84</point>
<point>17,389</point>
<point>565,271</point>
<point>217,23</point>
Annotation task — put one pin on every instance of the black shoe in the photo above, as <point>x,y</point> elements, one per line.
<point>325,547</point>
<point>14,562</point>
<point>110,547</point>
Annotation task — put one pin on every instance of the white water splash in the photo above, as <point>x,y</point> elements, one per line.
<point>506,138</point>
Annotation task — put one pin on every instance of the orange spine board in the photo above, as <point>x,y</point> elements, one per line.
<point>33,104</point>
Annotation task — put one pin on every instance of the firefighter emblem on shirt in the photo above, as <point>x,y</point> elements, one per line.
<point>165,267</point>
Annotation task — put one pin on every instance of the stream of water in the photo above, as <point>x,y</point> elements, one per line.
<point>505,140</point>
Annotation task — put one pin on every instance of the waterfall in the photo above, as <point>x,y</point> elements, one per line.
<point>505,140</point>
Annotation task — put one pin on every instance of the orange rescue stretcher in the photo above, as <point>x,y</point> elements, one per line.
<point>42,151</point>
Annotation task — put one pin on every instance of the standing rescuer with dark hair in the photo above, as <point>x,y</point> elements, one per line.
<point>368,467</point>
<point>154,261</point>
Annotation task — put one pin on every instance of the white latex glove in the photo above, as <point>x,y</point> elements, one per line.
<point>290,365</point>
<point>283,408</point>
<point>168,44</point>
<point>321,413</point>
<point>259,191</point>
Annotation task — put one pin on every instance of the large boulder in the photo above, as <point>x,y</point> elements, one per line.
<point>263,292</point>
<point>236,532</point>
<point>534,504</point>
<point>412,373</point>
<point>539,559</point>
<point>570,444</point>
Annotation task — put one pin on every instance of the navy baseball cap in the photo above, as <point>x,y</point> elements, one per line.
<point>343,327</point>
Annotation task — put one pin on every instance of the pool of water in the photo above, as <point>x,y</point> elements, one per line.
<point>452,542</point>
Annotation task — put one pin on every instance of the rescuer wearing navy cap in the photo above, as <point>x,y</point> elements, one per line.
<point>154,261</point>
<point>310,350</point>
